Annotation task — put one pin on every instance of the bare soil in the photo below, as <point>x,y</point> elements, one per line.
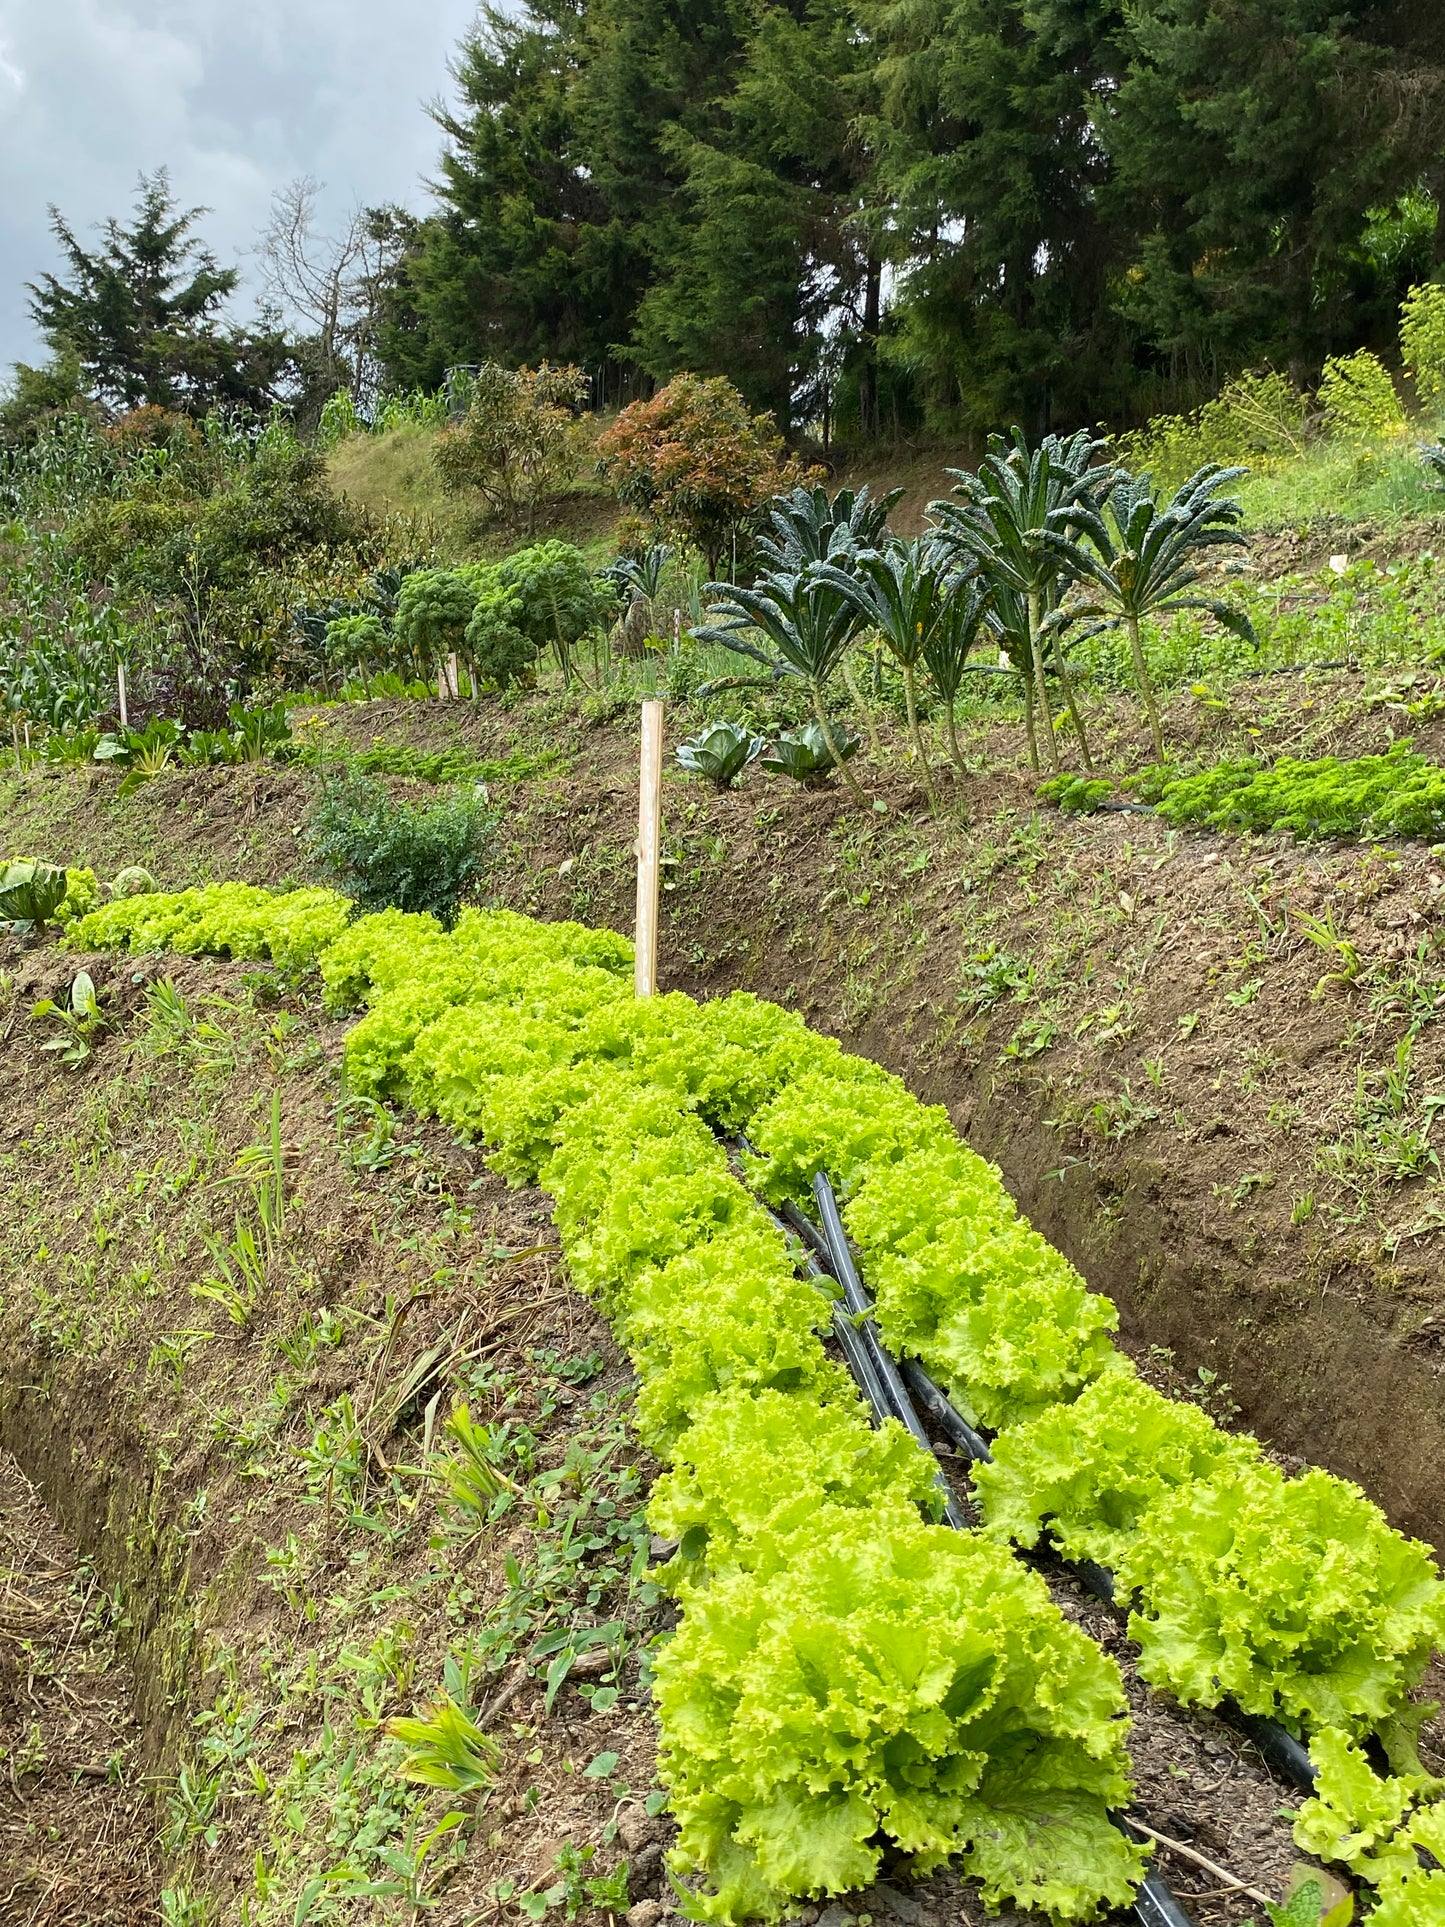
<point>77,1845</point>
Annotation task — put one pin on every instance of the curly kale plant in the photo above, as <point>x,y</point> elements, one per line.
<point>433,609</point>
<point>556,595</point>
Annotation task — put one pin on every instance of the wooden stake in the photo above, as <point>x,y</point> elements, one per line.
<point>454,678</point>
<point>649,848</point>
<point>120,691</point>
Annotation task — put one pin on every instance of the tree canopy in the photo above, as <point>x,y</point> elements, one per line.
<point>142,314</point>
<point>1054,210</point>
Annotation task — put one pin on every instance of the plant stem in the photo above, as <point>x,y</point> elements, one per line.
<point>955,753</point>
<point>919,751</point>
<point>875,741</point>
<point>1029,724</point>
<point>1146,688</point>
<point>1036,650</point>
<point>1068,682</point>
<point>838,762</point>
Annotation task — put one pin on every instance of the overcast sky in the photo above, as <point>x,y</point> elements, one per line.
<point>236,97</point>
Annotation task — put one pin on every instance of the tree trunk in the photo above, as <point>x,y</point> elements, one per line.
<point>868,365</point>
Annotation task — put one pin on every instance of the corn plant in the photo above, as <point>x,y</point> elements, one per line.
<point>1138,563</point>
<point>808,625</point>
<point>448,1748</point>
<point>1018,521</point>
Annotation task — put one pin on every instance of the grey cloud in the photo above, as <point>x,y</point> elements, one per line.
<point>236,99</point>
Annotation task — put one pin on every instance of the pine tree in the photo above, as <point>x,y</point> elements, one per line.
<point>142,314</point>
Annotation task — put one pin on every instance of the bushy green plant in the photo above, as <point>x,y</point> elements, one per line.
<point>383,852</point>
<point>1359,399</point>
<point>520,441</point>
<point>433,609</point>
<point>555,595</point>
<point>1077,795</point>
<point>1422,342</point>
<point>1258,418</point>
<point>1397,794</point>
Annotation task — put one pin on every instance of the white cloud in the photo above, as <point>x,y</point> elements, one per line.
<point>234,100</point>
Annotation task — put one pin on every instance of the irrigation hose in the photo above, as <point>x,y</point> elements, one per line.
<point>861,1306</point>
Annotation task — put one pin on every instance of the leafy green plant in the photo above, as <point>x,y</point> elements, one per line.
<point>80,1018</point>
<point>433,609</point>
<point>447,1748</point>
<point>385,852</point>
<point>806,625</point>
<point>808,754</point>
<point>470,1474</point>
<point>1018,521</point>
<point>1138,562</point>
<point>31,893</point>
<point>1397,794</point>
<point>1422,342</point>
<point>721,752</point>
<point>132,881</point>
<point>555,597</point>
<point>902,592</point>
<point>1077,795</point>
<point>810,525</point>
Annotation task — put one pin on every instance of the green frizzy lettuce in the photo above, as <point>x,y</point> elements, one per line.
<point>1090,1471</point>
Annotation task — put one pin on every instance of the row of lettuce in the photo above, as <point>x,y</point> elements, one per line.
<point>845,1671</point>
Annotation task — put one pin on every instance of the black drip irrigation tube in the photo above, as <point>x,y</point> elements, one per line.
<point>1155,1904</point>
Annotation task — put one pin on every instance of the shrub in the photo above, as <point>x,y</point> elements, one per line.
<point>385,853</point>
<point>1422,342</point>
<point>697,463</point>
<point>520,441</point>
<point>1257,418</point>
<point>1359,399</point>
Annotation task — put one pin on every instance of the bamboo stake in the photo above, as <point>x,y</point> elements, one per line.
<point>120,691</point>
<point>649,848</point>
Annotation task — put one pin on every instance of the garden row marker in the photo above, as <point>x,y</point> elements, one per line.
<point>120,691</point>
<point>649,848</point>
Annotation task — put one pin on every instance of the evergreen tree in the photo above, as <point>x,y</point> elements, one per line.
<point>142,314</point>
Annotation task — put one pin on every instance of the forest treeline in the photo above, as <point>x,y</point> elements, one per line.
<point>947,213</point>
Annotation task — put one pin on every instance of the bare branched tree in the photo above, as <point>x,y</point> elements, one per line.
<point>326,285</point>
